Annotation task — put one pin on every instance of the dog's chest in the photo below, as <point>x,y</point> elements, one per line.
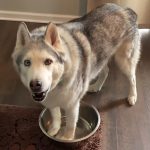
<point>58,98</point>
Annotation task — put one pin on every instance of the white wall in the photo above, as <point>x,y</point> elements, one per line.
<point>67,7</point>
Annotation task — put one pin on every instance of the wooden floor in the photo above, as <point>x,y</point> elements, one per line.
<point>125,127</point>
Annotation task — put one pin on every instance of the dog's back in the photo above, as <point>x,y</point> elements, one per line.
<point>105,28</point>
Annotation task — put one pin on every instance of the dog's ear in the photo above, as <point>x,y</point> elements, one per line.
<point>52,36</point>
<point>23,35</point>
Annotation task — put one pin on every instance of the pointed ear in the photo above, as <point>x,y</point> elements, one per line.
<point>23,35</point>
<point>52,35</point>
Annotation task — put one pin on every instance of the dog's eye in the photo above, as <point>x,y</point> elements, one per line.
<point>48,61</point>
<point>27,63</point>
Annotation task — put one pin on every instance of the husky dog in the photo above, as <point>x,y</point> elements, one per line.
<point>57,62</point>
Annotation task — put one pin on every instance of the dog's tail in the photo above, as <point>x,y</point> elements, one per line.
<point>131,14</point>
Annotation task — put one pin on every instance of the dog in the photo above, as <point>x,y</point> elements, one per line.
<point>57,62</point>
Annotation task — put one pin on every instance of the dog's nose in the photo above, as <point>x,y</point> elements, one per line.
<point>36,85</point>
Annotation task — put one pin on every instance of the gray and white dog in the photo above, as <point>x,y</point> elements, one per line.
<point>57,62</point>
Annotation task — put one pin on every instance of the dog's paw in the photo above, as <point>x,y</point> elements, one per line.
<point>132,100</point>
<point>53,130</point>
<point>62,135</point>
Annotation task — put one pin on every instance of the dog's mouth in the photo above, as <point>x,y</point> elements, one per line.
<point>39,96</point>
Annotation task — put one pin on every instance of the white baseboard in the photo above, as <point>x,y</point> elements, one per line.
<point>34,17</point>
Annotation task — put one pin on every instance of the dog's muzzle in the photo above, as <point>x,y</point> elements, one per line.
<point>36,88</point>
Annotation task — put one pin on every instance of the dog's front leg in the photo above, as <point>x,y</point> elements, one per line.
<point>71,122</point>
<point>56,121</point>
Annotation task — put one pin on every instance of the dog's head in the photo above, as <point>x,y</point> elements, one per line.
<point>39,59</point>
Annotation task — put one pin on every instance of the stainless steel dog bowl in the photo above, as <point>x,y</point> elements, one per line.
<point>88,123</point>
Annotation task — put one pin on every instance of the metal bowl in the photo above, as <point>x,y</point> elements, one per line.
<point>88,123</point>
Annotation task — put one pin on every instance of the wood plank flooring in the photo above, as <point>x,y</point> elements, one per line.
<point>125,127</point>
